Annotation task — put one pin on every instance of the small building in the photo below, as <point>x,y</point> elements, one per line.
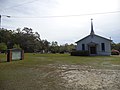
<point>95,44</point>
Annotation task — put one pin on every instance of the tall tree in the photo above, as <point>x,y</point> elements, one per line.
<point>54,48</point>
<point>45,45</point>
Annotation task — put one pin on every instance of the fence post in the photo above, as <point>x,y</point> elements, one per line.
<point>22,54</point>
<point>9,55</point>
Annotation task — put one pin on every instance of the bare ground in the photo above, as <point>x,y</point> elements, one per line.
<point>77,77</point>
<point>64,77</point>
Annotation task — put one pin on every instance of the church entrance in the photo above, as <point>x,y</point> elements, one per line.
<point>92,47</point>
<point>93,50</point>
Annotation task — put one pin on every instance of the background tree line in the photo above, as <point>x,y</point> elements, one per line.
<point>115,46</point>
<point>30,41</point>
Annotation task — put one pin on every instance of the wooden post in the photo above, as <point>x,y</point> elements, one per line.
<point>13,54</point>
<point>22,54</point>
<point>9,55</point>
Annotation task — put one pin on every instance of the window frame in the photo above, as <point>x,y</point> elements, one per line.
<point>83,47</point>
<point>103,47</point>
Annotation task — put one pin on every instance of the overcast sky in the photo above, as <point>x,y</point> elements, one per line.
<point>66,29</point>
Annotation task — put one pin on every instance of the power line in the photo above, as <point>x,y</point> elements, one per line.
<point>69,15</point>
<point>18,5</point>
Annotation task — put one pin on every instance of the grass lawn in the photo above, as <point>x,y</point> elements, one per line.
<point>43,71</point>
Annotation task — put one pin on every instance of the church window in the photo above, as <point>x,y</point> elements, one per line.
<point>103,46</point>
<point>83,46</point>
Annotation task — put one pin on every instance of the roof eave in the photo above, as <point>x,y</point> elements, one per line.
<point>82,39</point>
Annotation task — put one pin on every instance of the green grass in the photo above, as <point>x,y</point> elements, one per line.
<point>97,61</point>
<point>38,71</point>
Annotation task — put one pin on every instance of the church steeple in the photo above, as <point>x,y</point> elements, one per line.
<point>92,31</point>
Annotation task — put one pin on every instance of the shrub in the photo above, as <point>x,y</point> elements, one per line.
<point>3,46</point>
<point>115,52</point>
<point>62,52</point>
<point>80,53</point>
<point>53,52</point>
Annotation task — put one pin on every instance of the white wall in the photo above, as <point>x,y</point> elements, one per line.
<point>97,40</point>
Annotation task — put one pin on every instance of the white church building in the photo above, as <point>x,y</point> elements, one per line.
<point>95,44</point>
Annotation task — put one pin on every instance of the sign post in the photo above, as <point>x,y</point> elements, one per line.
<point>15,54</point>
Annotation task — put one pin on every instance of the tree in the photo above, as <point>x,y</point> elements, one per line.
<point>16,46</point>
<point>30,41</point>
<point>62,49</point>
<point>70,47</point>
<point>27,30</point>
<point>115,46</point>
<point>3,47</point>
<point>67,47</point>
<point>54,48</point>
<point>5,36</point>
<point>18,30</point>
<point>25,38</point>
<point>45,45</point>
<point>37,35</point>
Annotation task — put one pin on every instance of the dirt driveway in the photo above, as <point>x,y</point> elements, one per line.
<point>77,77</point>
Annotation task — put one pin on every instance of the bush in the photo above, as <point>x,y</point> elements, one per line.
<point>53,52</point>
<point>80,53</point>
<point>115,52</point>
<point>3,46</point>
<point>62,52</point>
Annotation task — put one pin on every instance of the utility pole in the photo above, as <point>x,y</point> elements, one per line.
<point>1,20</point>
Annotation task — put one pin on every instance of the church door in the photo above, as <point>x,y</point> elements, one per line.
<point>93,50</point>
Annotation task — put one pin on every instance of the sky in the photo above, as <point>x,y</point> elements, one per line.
<point>64,21</point>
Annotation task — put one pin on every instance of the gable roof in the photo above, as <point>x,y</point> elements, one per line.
<point>104,38</point>
<point>94,35</point>
<point>82,39</point>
